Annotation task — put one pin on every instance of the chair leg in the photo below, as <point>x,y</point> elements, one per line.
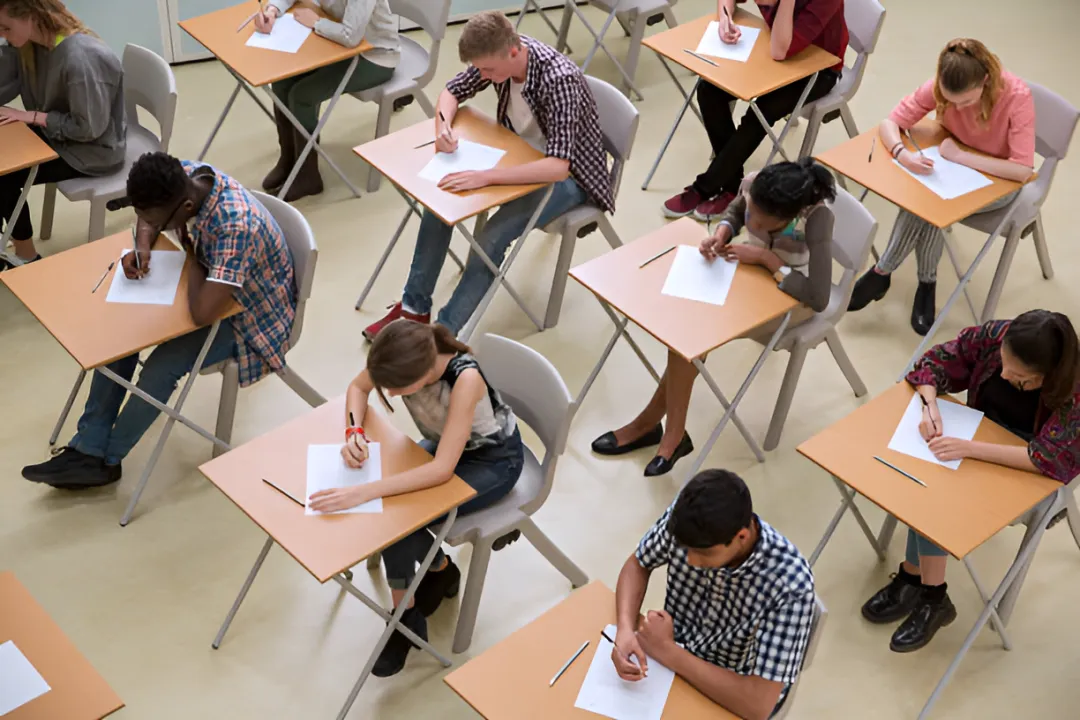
<point>1073,517</point>
<point>553,554</point>
<point>97,220</point>
<point>810,138</point>
<point>424,103</point>
<point>558,283</point>
<point>785,396</point>
<point>564,26</point>
<point>608,231</point>
<point>470,601</point>
<point>669,17</point>
<point>997,285</point>
<point>1042,250</point>
<point>382,127</point>
<point>226,414</point>
<point>621,17</point>
<point>633,52</point>
<point>849,121</point>
<point>48,210</point>
<point>299,386</point>
<point>832,339</point>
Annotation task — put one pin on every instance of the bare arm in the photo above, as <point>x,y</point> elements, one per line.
<point>448,106</point>
<point>729,4</point>
<point>991,165</point>
<point>889,132</point>
<point>782,29</point>
<point>356,398</point>
<point>1007,455</point>
<point>630,593</point>
<point>748,696</point>
<point>547,170</point>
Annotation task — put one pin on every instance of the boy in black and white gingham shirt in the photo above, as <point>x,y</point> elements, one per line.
<point>740,597</point>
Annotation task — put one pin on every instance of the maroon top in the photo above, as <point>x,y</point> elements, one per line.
<point>817,22</point>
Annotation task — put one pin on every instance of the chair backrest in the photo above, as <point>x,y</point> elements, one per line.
<point>821,613</point>
<point>618,124</point>
<point>854,230</point>
<point>149,83</point>
<point>1055,124</point>
<point>302,247</point>
<point>864,19</point>
<point>432,16</point>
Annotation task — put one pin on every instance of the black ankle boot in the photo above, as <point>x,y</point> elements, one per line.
<point>895,600</point>
<point>933,612</point>
<point>437,585</point>
<point>393,655</point>
<point>923,310</point>
<point>870,287</point>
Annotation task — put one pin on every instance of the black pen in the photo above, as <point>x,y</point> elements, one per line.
<point>873,143</point>
<point>927,406</point>
<point>283,492</point>
<point>604,633</point>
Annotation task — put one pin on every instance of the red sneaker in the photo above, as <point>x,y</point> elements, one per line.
<point>710,210</point>
<point>396,313</point>
<point>682,204</point>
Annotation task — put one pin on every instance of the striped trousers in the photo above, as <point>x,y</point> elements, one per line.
<point>928,241</point>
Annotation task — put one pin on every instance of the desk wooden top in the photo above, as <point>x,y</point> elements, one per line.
<point>216,32</point>
<point>688,327</point>
<point>20,148</point>
<point>327,544</point>
<point>760,74</point>
<point>76,692</point>
<point>510,680</point>
<point>882,176</point>
<point>959,509</point>
<point>397,157</point>
<point>57,290</point>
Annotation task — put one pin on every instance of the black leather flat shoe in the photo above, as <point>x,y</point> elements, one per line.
<point>925,620</point>
<point>606,444</point>
<point>662,466</point>
<point>893,602</point>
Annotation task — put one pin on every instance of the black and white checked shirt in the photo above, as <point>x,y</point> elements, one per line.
<point>752,620</point>
<point>564,108</point>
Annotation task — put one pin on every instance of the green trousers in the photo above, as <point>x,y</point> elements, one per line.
<point>304,94</point>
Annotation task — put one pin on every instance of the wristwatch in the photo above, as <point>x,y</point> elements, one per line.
<point>782,273</point>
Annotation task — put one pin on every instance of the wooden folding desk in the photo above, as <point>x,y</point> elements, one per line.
<point>58,291</point>
<point>258,68</point>
<point>884,177</point>
<point>20,148</point>
<point>958,510</point>
<point>510,680</point>
<point>398,157</point>
<point>327,546</point>
<point>690,328</point>
<point>747,81</point>
<point>77,691</point>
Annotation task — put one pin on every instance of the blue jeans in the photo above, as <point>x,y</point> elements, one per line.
<point>505,226</point>
<point>492,472</point>
<point>107,432</point>
<point>918,545</point>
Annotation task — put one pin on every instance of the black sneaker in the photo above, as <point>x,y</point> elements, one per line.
<point>871,287</point>
<point>392,657</point>
<point>894,601</point>
<point>72,470</point>
<point>435,586</point>
<point>929,616</point>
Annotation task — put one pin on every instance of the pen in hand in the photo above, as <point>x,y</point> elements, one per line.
<point>911,137</point>
<point>927,406</point>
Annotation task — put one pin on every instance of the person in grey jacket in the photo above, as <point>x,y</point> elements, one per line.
<point>348,23</point>
<point>72,90</point>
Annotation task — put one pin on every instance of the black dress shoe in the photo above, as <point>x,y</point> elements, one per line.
<point>922,624</point>
<point>606,444</point>
<point>923,311</point>
<point>894,601</point>
<point>662,466</point>
<point>72,470</point>
<point>870,287</point>
<point>436,586</point>
<point>392,658</point>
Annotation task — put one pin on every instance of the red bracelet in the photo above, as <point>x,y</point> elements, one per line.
<point>350,431</point>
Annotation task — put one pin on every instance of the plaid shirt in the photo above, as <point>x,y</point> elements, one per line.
<point>754,619</point>
<point>564,107</point>
<point>239,243</point>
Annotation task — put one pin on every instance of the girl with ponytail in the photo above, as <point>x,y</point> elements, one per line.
<point>982,106</point>
<point>1023,375</point>
<point>789,231</point>
<point>467,428</point>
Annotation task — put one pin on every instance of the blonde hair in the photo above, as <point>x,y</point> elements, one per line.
<point>52,16</point>
<point>963,64</point>
<point>486,34</point>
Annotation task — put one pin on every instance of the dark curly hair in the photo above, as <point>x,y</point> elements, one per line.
<point>156,180</point>
<point>785,189</point>
<point>711,510</point>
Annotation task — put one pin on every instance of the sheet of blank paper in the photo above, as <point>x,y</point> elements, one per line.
<point>286,36</point>
<point>468,156</point>
<point>19,681</point>
<point>693,277</point>
<point>948,180</point>
<point>957,421</point>
<point>713,46</point>
<point>157,287</point>
<point>326,470</point>
<point>603,692</point>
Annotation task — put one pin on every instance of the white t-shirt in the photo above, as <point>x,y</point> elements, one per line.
<point>523,120</point>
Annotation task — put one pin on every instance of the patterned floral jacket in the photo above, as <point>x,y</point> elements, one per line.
<point>974,357</point>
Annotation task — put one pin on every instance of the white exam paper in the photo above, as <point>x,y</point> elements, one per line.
<point>286,36</point>
<point>958,421</point>
<point>468,156</point>
<point>19,681</point>
<point>326,470</point>
<point>159,285</point>
<point>603,692</point>
<point>713,46</point>
<point>692,277</point>
<point>948,180</point>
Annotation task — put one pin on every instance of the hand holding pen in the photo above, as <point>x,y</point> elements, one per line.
<point>136,264</point>
<point>446,141</point>
<point>627,656</point>
<point>930,427</point>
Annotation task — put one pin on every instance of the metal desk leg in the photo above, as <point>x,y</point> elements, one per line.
<point>599,45</point>
<point>389,249</point>
<point>995,620</point>
<point>220,120</point>
<point>67,408</point>
<point>543,16</point>
<point>888,527</point>
<point>777,147</point>
<point>10,225</point>
<point>620,331</point>
<point>688,102</point>
<point>243,592</point>
<point>849,496</point>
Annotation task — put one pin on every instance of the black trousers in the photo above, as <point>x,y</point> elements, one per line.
<point>11,186</point>
<point>733,146</point>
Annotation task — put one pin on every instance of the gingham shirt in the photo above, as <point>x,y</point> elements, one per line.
<point>754,619</point>
<point>565,109</point>
<point>239,243</point>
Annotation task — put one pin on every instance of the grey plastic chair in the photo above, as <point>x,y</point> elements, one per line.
<point>619,124</point>
<point>1055,123</point>
<point>821,614</point>
<point>305,253</point>
<point>864,20</point>
<point>149,83</point>
<point>415,69</point>
<point>853,236</point>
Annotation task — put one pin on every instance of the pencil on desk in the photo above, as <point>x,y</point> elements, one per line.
<point>873,143</point>
<point>283,492</point>
<point>905,474</point>
<point>103,276</point>
<point>700,57</point>
<point>568,663</point>
<point>657,256</point>
<point>424,145</point>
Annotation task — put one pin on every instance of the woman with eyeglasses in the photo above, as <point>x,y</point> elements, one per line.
<point>1023,375</point>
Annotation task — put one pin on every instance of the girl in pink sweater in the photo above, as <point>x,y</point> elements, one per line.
<point>982,106</point>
